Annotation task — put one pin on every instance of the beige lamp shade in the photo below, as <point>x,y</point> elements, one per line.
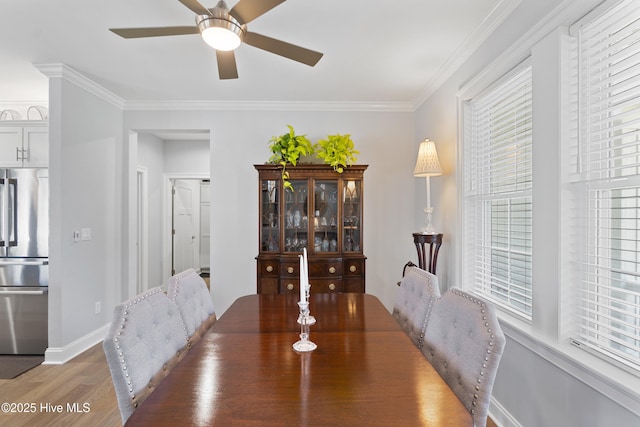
<point>427,166</point>
<point>427,163</point>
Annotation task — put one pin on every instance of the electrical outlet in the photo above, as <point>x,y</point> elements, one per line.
<point>98,307</point>
<point>76,236</point>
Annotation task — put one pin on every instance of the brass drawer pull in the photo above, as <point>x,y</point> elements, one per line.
<point>290,286</point>
<point>353,269</point>
<point>269,268</point>
<point>290,270</point>
<point>332,270</point>
<point>332,287</point>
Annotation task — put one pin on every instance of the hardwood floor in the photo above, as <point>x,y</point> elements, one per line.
<point>84,381</point>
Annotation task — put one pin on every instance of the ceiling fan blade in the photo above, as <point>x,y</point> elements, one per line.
<point>281,48</point>
<point>195,7</point>
<point>246,11</point>
<point>132,33</point>
<point>226,65</point>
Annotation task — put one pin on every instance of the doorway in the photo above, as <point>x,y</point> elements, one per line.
<point>190,230</point>
<point>162,156</point>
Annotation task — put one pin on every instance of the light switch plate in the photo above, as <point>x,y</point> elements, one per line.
<point>86,233</point>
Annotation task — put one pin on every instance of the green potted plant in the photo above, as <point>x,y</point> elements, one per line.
<point>286,150</point>
<point>337,151</point>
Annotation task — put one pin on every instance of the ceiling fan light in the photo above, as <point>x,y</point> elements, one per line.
<point>221,38</point>
<point>220,34</point>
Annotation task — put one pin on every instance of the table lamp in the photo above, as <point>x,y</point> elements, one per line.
<point>427,166</point>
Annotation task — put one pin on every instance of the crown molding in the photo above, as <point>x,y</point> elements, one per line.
<point>565,13</point>
<point>67,73</point>
<point>267,106</point>
<point>482,32</point>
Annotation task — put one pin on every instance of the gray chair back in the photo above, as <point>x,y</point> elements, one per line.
<point>464,343</point>
<point>414,301</point>
<point>146,339</point>
<point>189,291</point>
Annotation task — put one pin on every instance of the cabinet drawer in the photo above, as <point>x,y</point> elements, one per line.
<point>353,267</point>
<point>269,267</point>
<point>325,268</point>
<point>290,269</point>
<point>353,284</point>
<point>268,285</point>
<point>290,286</point>
<point>327,285</point>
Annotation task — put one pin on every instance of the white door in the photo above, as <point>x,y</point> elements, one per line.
<point>184,227</point>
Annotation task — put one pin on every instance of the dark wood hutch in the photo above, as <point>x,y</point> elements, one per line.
<point>324,214</point>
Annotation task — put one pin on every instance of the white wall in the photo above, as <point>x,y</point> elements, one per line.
<point>151,157</point>
<point>539,383</point>
<point>186,157</point>
<point>239,139</point>
<point>84,147</point>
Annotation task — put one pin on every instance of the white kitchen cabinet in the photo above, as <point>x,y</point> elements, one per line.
<point>24,145</point>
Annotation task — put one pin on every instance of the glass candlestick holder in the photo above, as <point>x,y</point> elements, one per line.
<point>310,319</point>
<point>303,345</point>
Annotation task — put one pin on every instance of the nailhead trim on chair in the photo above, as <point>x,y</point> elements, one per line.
<point>454,322</point>
<point>423,330</point>
<point>155,380</point>
<point>122,325</point>
<point>474,402</point>
<point>186,333</point>
<point>175,287</point>
<point>414,302</point>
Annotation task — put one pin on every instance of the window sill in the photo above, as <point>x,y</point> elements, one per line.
<point>611,381</point>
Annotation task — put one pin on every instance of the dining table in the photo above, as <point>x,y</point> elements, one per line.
<point>244,371</point>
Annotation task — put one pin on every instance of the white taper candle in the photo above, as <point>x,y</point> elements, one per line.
<point>302,283</point>
<point>306,269</point>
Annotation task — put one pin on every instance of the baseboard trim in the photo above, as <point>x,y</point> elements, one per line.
<point>61,355</point>
<point>501,416</point>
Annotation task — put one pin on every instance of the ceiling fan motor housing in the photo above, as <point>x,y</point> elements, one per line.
<point>220,19</point>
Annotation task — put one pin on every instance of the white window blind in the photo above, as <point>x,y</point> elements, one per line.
<point>606,183</point>
<point>497,202</point>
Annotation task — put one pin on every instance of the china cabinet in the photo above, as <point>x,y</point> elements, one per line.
<point>323,214</point>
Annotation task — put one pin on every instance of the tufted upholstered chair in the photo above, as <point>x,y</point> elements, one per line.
<point>464,343</point>
<point>189,291</point>
<point>412,308</point>
<point>146,339</point>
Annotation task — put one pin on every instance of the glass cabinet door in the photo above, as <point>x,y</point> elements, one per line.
<point>296,220</point>
<point>352,215</point>
<point>269,222</point>
<point>325,216</point>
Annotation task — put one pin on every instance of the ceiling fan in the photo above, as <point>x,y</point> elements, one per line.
<point>225,30</point>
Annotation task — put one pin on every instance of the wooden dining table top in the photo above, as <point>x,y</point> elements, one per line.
<point>244,371</point>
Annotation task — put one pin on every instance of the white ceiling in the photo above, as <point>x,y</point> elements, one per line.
<point>374,52</point>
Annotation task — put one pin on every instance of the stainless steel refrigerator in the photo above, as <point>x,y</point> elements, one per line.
<point>24,260</point>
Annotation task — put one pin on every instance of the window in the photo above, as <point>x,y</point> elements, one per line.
<point>605,184</point>
<point>497,198</point>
